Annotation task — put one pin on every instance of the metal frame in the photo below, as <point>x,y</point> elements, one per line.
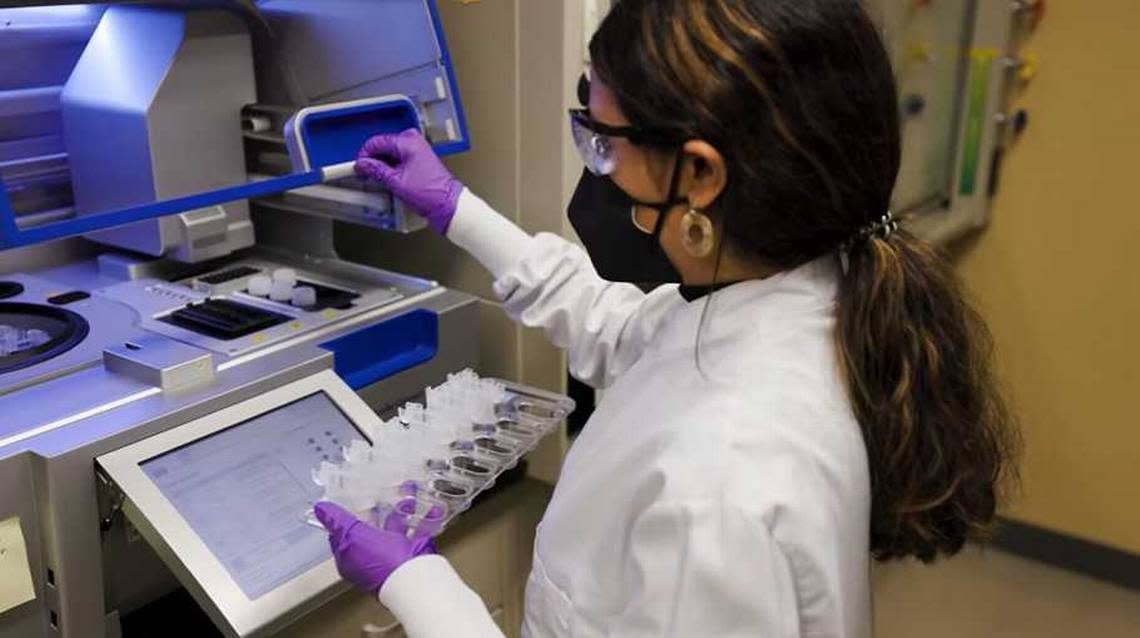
<point>187,554</point>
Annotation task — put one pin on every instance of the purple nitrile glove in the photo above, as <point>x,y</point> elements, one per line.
<point>406,164</point>
<point>367,556</point>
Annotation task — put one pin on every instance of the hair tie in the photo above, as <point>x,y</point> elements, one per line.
<point>881,228</point>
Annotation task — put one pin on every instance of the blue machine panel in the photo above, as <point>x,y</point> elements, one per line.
<point>322,136</point>
<point>382,350</point>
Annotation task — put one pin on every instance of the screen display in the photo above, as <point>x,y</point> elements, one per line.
<point>245,490</point>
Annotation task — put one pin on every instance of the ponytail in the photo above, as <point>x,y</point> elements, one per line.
<point>917,360</point>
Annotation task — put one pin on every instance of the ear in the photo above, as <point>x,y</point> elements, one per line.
<point>706,173</point>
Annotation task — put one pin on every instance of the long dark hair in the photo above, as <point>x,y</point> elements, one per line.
<point>799,98</point>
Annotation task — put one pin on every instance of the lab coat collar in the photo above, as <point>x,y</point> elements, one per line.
<point>727,314</point>
<point>814,284</point>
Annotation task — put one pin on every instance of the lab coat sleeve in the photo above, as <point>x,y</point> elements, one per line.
<point>706,569</point>
<point>547,282</point>
<point>430,600</point>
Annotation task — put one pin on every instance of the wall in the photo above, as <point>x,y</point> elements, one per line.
<point>1057,278</point>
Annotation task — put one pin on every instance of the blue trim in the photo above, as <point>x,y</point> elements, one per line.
<point>335,134</point>
<point>8,228</point>
<point>386,348</point>
<point>11,236</point>
<point>464,144</point>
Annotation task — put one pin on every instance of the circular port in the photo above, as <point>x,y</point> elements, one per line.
<point>32,334</point>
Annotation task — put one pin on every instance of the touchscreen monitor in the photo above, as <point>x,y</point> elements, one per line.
<point>245,489</point>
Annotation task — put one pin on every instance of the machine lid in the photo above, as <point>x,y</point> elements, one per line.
<point>329,52</point>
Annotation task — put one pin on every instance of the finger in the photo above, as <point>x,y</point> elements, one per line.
<point>423,544</point>
<point>335,518</point>
<point>396,522</point>
<point>375,170</point>
<point>382,146</point>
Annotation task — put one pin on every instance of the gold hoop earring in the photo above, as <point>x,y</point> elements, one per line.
<point>697,234</point>
<point>637,224</point>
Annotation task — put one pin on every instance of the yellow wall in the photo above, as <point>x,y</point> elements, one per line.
<point>1057,274</point>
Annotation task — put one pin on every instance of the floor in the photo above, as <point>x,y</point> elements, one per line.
<point>986,593</point>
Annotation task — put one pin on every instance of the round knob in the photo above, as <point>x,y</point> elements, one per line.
<point>287,275</point>
<point>914,105</point>
<point>282,291</point>
<point>260,286</point>
<point>304,297</point>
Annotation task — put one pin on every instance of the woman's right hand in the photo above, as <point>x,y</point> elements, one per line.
<point>406,164</point>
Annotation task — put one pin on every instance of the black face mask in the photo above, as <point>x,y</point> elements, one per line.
<point>602,215</point>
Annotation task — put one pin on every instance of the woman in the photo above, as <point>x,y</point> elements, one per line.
<point>816,392</point>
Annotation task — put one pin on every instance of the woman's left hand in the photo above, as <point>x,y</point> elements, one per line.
<point>365,555</point>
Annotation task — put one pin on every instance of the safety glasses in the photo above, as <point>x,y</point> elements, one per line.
<point>595,140</point>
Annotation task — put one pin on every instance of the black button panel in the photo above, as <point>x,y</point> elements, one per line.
<point>69,297</point>
<point>228,275</point>
<point>223,319</point>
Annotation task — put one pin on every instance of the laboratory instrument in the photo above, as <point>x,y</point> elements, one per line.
<point>200,151</point>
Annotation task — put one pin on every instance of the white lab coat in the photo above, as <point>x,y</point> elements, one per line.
<point>730,500</point>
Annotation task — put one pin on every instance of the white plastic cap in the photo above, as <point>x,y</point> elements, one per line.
<point>282,291</point>
<point>260,286</point>
<point>304,297</point>
<point>285,275</point>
